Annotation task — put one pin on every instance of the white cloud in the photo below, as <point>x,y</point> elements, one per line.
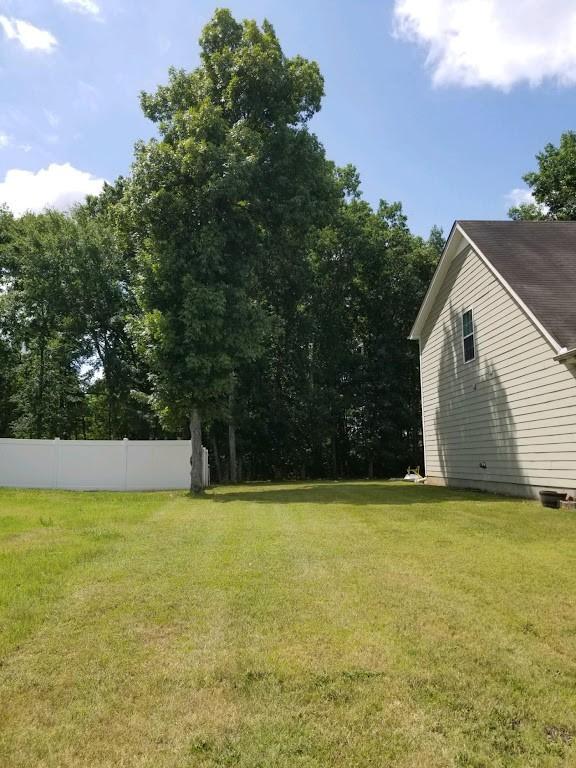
<point>89,7</point>
<point>31,38</point>
<point>522,196</point>
<point>495,43</point>
<point>58,186</point>
<point>52,118</point>
<point>519,196</point>
<point>8,141</point>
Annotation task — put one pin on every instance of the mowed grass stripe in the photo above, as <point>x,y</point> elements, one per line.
<point>45,538</point>
<point>319,624</point>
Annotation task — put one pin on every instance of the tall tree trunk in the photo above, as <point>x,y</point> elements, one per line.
<point>108,389</point>
<point>370,469</point>
<point>232,436</point>
<point>40,405</point>
<point>216,457</point>
<point>110,436</point>
<point>334,456</point>
<point>196,452</point>
<point>232,449</point>
<point>102,353</point>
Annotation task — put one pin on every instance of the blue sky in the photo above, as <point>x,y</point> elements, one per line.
<point>441,104</point>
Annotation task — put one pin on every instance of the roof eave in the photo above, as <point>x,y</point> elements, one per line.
<point>437,277</point>
<point>448,254</point>
<point>566,354</point>
<point>558,348</point>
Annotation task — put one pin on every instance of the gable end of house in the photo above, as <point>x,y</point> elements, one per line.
<point>498,386</point>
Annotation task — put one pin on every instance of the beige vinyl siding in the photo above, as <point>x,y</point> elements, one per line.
<point>513,408</point>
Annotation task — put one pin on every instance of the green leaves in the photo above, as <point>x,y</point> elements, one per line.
<point>235,256</point>
<point>213,195</point>
<point>553,185</point>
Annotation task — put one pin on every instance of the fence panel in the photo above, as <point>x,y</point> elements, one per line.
<point>24,463</point>
<point>158,464</point>
<point>108,465</point>
<point>91,465</point>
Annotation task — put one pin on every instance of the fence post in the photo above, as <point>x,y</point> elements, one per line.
<point>125,443</point>
<point>56,465</point>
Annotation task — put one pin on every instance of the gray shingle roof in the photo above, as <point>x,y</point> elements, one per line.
<point>538,260</point>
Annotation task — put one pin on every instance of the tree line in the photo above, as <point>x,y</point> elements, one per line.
<point>234,286</point>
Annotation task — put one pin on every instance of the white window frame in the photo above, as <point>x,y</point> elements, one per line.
<point>473,334</point>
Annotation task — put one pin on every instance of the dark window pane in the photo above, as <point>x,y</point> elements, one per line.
<point>467,326</point>
<point>468,348</point>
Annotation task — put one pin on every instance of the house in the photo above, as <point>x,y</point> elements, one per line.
<point>497,335</point>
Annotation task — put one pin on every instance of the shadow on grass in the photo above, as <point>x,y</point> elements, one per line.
<point>356,493</point>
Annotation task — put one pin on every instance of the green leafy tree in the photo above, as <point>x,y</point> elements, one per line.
<point>527,212</point>
<point>49,397</point>
<point>66,314</point>
<point>236,281</point>
<point>39,320</point>
<point>102,295</point>
<point>553,185</point>
<point>348,402</point>
<point>208,197</point>
<point>379,422</point>
<point>9,357</point>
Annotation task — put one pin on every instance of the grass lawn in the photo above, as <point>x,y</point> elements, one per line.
<point>323,624</point>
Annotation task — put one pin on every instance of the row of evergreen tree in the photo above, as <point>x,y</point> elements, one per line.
<point>236,282</point>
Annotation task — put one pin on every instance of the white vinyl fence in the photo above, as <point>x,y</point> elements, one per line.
<point>93,465</point>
